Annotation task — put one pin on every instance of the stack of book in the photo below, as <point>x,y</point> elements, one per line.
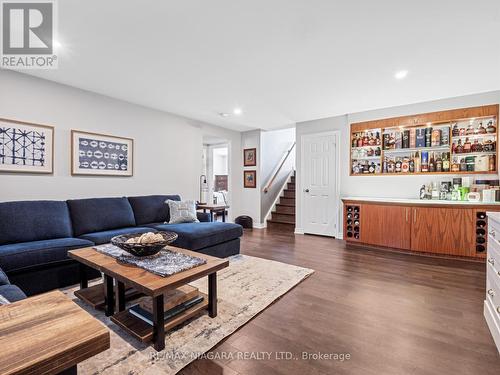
<point>175,302</point>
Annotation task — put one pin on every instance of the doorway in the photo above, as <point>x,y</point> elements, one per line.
<point>216,168</point>
<point>320,183</point>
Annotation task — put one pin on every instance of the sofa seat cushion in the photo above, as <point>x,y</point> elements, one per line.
<point>100,214</point>
<point>25,255</point>
<point>195,236</point>
<point>151,208</point>
<point>105,237</point>
<point>12,293</point>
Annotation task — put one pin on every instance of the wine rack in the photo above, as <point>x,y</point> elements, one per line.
<point>481,232</point>
<point>352,222</point>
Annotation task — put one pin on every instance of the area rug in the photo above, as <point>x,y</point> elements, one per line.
<point>245,288</point>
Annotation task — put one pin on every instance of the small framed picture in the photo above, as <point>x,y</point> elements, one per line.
<point>26,147</point>
<point>249,157</point>
<point>250,179</point>
<point>94,154</point>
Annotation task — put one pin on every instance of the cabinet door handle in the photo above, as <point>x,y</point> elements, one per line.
<point>491,292</point>
<point>491,261</point>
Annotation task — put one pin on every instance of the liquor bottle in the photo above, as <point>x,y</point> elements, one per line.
<point>455,132</point>
<point>399,140</point>
<point>445,136</point>
<point>424,164</point>
<point>492,163</point>
<point>463,165</point>
<point>436,137</point>
<point>406,139</point>
<point>360,140</point>
<point>432,165</point>
<point>476,146</point>
<point>439,163</point>
<point>354,140</point>
<point>453,148</point>
<point>405,165</point>
<point>378,152</point>
<point>411,164</point>
<point>372,168</point>
<point>470,130</point>
<point>413,138</point>
<point>428,136</point>
<point>459,149</point>
<point>377,139</point>
<point>384,165</point>
<point>365,140</point>
<point>391,166</point>
<point>455,166</point>
<point>490,129</point>
<point>467,145</point>
<point>398,165</point>
<point>371,140</point>
<point>446,162</point>
<point>417,162</point>
<point>392,141</point>
<point>461,132</point>
<point>481,129</point>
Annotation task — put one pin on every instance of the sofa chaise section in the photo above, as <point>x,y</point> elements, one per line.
<point>35,237</point>
<point>211,238</point>
<point>100,219</point>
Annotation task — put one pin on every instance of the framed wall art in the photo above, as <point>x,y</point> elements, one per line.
<point>96,154</point>
<point>26,147</point>
<point>250,179</point>
<point>249,157</point>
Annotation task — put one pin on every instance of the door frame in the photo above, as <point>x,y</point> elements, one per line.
<point>336,174</point>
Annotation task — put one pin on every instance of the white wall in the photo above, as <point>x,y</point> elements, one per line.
<point>168,148</point>
<point>274,145</point>
<point>250,198</point>
<point>381,186</point>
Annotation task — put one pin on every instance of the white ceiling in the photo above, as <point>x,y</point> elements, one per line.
<point>281,61</point>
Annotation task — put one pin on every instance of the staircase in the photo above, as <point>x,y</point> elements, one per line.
<point>283,217</point>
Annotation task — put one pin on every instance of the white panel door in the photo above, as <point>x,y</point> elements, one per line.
<point>319,201</point>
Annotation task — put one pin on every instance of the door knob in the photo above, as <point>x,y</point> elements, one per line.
<point>306,190</point>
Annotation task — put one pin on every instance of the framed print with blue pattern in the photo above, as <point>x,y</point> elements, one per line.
<point>26,147</point>
<point>101,155</point>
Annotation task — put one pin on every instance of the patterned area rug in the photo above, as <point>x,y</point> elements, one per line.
<point>245,288</point>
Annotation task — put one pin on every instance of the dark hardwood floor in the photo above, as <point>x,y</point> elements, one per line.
<point>393,313</point>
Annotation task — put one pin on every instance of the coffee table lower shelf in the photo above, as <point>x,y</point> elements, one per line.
<point>95,296</point>
<point>144,332</point>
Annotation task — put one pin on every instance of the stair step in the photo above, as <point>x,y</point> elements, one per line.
<point>284,218</point>
<point>287,201</point>
<point>277,225</point>
<point>289,193</point>
<point>284,209</point>
<point>291,186</point>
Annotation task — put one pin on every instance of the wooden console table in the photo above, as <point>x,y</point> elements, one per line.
<point>214,208</point>
<point>48,334</point>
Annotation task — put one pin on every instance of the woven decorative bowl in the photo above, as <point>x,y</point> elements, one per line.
<point>143,249</point>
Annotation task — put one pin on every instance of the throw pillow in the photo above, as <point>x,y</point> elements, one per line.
<point>182,212</point>
<point>3,300</point>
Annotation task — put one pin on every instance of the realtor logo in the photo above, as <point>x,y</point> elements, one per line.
<point>28,34</point>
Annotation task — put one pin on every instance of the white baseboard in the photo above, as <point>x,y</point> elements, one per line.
<point>259,225</point>
<point>299,231</point>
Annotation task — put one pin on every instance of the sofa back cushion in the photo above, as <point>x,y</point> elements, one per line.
<point>99,214</point>
<point>26,221</point>
<point>151,208</point>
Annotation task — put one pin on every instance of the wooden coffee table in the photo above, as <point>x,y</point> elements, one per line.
<point>48,334</point>
<point>120,276</point>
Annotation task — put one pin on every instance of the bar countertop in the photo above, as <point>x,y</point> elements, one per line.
<point>419,202</point>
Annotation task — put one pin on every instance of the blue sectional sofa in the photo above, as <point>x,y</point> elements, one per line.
<point>35,236</point>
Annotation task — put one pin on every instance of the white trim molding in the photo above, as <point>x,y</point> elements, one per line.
<point>299,231</point>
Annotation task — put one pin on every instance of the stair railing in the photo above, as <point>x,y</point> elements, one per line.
<point>275,174</point>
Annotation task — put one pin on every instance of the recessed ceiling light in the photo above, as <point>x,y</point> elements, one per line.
<point>401,74</point>
<point>223,114</point>
<point>237,111</point>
